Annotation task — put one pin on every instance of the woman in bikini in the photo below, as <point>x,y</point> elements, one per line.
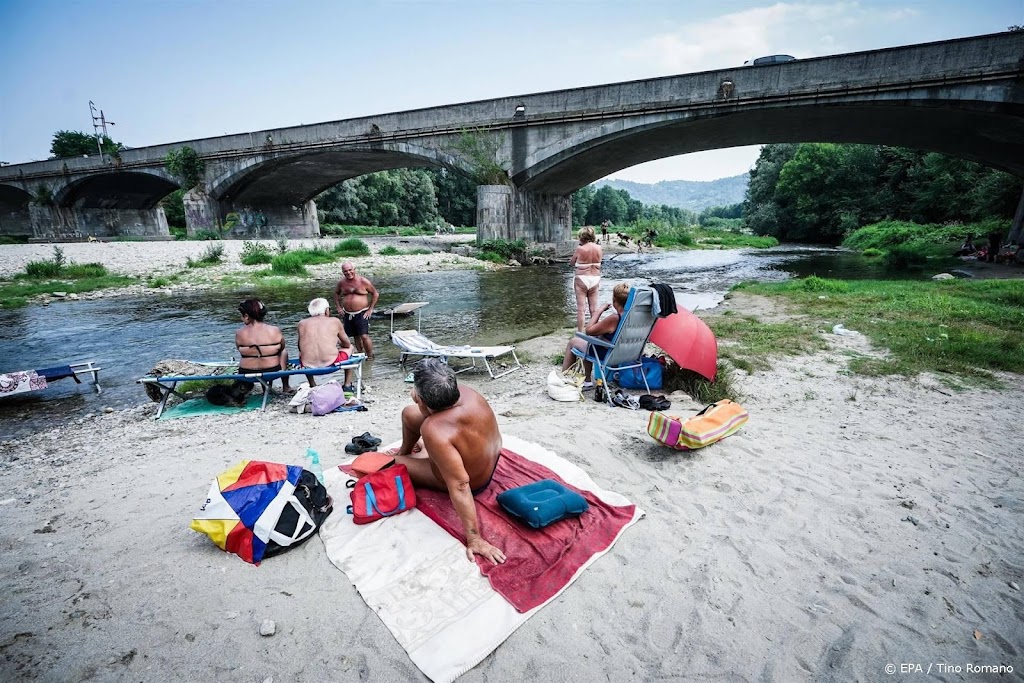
<point>260,345</point>
<point>586,259</point>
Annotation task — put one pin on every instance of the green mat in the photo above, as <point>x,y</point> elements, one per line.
<point>200,406</point>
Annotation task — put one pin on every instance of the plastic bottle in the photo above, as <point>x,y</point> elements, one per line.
<point>599,391</point>
<point>314,464</point>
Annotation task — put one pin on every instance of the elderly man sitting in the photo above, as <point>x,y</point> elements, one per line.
<point>460,445</point>
<point>322,340</point>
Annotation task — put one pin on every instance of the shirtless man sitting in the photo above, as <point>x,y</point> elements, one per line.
<point>355,298</point>
<point>260,345</point>
<point>460,445</point>
<point>322,340</point>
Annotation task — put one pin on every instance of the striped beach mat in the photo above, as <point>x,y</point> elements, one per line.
<point>712,424</point>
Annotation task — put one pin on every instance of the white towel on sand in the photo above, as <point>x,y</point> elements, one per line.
<point>416,576</point>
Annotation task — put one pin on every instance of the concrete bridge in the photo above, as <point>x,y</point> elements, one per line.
<point>962,97</point>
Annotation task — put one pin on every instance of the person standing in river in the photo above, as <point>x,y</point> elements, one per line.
<point>355,297</point>
<point>586,259</point>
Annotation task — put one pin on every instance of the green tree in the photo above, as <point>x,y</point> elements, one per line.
<point>607,204</point>
<point>73,143</point>
<point>761,212</point>
<point>581,200</point>
<point>456,196</point>
<point>174,208</point>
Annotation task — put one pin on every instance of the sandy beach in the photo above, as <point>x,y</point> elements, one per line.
<point>853,523</point>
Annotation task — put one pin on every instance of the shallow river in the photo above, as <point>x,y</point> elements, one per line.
<point>127,336</point>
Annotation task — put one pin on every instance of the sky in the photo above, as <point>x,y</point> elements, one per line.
<point>172,70</point>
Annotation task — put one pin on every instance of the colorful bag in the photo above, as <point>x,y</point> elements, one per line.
<point>712,424</point>
<point>258,509</point>
<point>382,494</point>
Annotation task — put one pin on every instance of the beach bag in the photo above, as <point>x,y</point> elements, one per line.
<point>562,389</point>
<point>381,494</point>
<point>542,502</point>
<point>633,378</point>
<point>259,509</point>
<point>712,424</point>
<point>326,397</point>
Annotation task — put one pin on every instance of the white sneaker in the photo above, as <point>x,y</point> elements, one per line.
<point>587,385</point>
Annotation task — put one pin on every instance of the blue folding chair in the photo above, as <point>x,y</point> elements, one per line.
<point>626,347</point>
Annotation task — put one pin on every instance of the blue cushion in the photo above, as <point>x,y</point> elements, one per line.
<point>542,502</point>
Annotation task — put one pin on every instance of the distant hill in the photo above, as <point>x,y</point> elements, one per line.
<point>688,194</point>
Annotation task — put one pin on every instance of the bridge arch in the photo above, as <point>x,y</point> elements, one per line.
<point>296,178</point>
<point>116,190</point>
<point>14,199</point>
<point>977,131</point>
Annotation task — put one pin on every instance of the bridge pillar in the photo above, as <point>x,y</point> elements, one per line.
<point>1017,227</point>
<point>506,212</point>
<point>204,213</point>
<point>69,223</point>
<point>15,222</point>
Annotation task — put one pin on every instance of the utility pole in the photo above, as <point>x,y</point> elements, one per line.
<point>99,123</point>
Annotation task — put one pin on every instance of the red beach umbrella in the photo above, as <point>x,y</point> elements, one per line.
<point>688,341</point>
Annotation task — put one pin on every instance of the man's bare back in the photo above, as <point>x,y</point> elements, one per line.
<point>320,339</point>
<point>461,446</point>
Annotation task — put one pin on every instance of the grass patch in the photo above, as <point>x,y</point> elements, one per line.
<point>59,267</point>
<point>733,240</point>
<point>394,251</point>
<point>700,388</point>
<point>289,263</point>
<point>351,247</point>
<point>960,327</point>
<point>389,251</point>
<point>17,294</point>
<point>751,343</point>
<point>211,256</point>
<point>254,254</point>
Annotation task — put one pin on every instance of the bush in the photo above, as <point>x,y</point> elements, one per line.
<point>282,245</point>
<point>505,249</point>
<point>42,269</point>
<point>389,251</point>
<point>79,271</point>
<point>871,252</point>
<point>700,388</point>
<point>492,256</point>
<point>290,263</point>
<point>820,284</point>
<point>205,235</point>
<point>353,246</point>
<point>254,253</point>
<point>214,253</point>
<point>905,256</point>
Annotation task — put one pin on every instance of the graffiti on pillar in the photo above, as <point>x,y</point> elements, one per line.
<point>197,218</point>
<point>248,219</point>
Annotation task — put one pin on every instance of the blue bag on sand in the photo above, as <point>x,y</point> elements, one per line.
<point>631,378</point>
<point>542,502</point>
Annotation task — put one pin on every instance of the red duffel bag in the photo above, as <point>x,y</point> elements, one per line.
<point>384,493</point>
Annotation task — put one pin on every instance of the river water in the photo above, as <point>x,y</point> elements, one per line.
<point>126,336</point>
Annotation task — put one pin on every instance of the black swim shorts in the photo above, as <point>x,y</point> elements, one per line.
<point>356,325</point>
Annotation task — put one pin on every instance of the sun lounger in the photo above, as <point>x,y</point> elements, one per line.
<point>415,343</point>
<point>166,385</point>
<point>37,380</point>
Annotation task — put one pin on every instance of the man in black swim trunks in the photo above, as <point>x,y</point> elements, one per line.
<point>461,445</point>
<point>355,298</point>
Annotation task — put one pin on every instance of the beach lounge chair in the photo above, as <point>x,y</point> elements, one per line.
<point>37,380</point>
<point>415,343</point>
<point>166,385</point>
<point>627,345</point>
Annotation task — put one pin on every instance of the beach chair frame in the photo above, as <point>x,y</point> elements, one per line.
<point>626,348</point>
<point>167,384</point>
<point>415,343</point>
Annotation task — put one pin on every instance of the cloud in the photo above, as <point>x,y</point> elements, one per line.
<point>802,30</point>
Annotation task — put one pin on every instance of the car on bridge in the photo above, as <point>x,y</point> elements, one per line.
<point>770,59</point>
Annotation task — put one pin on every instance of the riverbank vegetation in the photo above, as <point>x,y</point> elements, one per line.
<point>824,192</point>
<point>57,274</point>
<point>964,329</point>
